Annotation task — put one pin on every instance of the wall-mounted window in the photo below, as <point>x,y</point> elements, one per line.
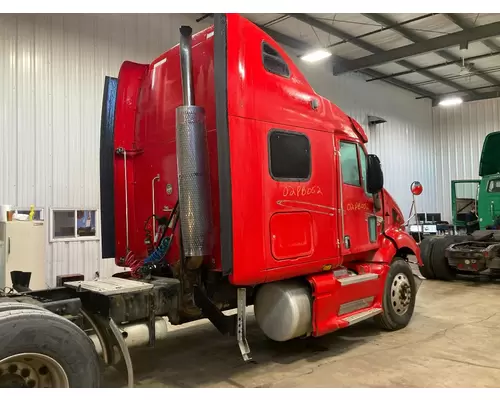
<point>349,163</point>
<point>73,225</point>
<point>273,62</point>
<point>289,156</point>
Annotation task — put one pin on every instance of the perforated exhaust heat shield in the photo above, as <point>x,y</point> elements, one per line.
<point>192,163</point>
<point>194,189</point>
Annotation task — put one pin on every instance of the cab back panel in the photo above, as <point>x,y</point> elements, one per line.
<point>151,116</point>
<point>130,80</point>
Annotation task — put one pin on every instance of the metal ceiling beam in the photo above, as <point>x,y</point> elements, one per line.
<point>433,66</point>
<point>464,24</point>
<point>385,28</point>
<point>204,16</point>
<point>303,47</point>
<point>323,26</point>
<point>284,17</point>
<point>400,84</point>
<point>427,46</point>
<point>289,41</point>
<point>416,38</point>
<point>481,96</point>
<point>369,47</point>
<point>278,36</point>
<point>442,95</point>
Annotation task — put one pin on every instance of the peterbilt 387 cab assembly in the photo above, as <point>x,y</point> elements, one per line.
<point>226,181</point>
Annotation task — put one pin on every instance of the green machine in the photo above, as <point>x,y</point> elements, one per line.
<point>464,199</point>
<point>475,203</point>
<point>481,195</point>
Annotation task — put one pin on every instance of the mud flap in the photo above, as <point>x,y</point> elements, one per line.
<point>418,280</point>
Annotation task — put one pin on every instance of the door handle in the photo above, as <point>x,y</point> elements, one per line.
<point>314,103</point>
<point>8,246</point>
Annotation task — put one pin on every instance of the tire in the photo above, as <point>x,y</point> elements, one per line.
<point>14,305</point>
<point>425,252</point>
<point>482,235</point>
<point>53,343</point>
<point>400,278</point>
<point>438,259</point>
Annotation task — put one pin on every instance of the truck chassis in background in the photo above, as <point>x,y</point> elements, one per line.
<point>445,257</point>
<point>475,207</point>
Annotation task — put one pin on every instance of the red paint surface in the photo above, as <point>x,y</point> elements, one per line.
<point>358,207</point>
<point>130,80</point>
<point>329,295</point>
<point>290,243</point>
<point>305,215</point>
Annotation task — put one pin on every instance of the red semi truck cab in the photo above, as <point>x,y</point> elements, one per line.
<point>272,182</point>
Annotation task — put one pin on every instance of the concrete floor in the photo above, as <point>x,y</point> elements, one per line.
<point>452,341</point>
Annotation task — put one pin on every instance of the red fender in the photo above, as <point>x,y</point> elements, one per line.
<point>393,241</point>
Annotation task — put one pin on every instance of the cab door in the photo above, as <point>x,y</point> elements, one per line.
<point>489,201</point>
<point>360,227</point>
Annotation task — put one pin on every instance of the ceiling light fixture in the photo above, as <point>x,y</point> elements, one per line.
<point>451,101</point>
<point>316,55</point>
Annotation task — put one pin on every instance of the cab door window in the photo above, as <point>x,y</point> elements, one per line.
<point>362,164</point>
<point>349,163</point>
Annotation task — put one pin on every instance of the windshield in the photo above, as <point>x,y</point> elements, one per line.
<point>490,162</point>
<point>494,186</point>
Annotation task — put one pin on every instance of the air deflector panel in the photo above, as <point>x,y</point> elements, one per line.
<point>106,167</point>
<point>223,150</point>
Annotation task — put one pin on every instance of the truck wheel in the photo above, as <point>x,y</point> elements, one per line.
<point>41,349</point>
<point>425,252</point>
<point>398,302</point>
<point>14,305</point>
<point>438,259</point>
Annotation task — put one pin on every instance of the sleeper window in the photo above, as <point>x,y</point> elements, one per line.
<point>349,163</point>
<point>289,156</point>
<point>273,62</point>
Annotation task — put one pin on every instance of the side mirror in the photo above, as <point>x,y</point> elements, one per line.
<point>374,174</point>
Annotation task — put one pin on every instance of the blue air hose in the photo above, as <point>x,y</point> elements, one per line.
<point>159,253</point>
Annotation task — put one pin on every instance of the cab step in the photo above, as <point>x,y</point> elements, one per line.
<point>351,280</point>
<point>361,316</point>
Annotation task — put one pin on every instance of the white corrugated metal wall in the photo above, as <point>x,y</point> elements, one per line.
<point>51,84</point>
<point>53,69</point>
<point>458,140</point>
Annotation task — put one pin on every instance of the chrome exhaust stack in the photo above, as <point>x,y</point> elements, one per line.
<point>192,164</point>
<point>186,66</point>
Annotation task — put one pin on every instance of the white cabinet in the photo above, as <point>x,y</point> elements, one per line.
<point>22,248</point>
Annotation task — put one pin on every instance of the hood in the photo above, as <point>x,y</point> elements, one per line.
<point>490,162</point>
